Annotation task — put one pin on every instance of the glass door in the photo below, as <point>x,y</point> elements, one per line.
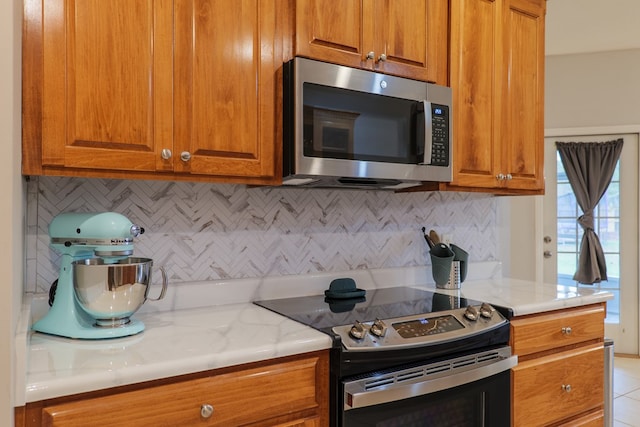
<point>616,224</point>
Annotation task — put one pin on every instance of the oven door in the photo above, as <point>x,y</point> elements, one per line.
<point>472,390</point>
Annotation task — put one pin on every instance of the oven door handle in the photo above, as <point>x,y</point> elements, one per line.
<point>396,392</point>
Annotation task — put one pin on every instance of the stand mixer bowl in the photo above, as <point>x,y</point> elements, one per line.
<point>111,292</point>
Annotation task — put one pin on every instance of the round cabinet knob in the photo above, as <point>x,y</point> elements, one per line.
<point>185,156</point>
<point>547,254</point>
<point>166,154</point>
<point>566,387</point>
<point>382,58</point>
<point>567,330</point>
<point>500,177</point>
<point>206,410</point>
<point>371,55</point>
<point>509,177</point>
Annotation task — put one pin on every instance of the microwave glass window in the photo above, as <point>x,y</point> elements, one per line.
<point>346,124</point>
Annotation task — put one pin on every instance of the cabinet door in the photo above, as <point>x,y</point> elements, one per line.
<point>523,106</point>
<point>497,76</point>
<point>338,33</point>
<point>412,35</point>
<point>407,38</point>
<point>226,57</point>
<point>476,84</point>
<point>106,96</point>
<point>549,389</point>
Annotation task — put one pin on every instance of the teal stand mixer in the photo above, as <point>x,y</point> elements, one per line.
<point>96,290</point>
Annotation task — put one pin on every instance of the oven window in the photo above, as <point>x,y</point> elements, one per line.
<point>482,403</point>
<point>346,124</point>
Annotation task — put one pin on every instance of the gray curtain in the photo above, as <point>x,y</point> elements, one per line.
<point>589,167</point>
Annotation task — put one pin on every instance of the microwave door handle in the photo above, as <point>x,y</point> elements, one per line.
<point>428,133</point>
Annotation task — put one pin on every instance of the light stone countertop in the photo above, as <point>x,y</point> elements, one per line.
<point>526,297</point>
<point>207,325</point>
<point>173,343</point>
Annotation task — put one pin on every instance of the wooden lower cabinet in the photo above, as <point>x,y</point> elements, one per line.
<point>291,392</point>
<point>559,379</point>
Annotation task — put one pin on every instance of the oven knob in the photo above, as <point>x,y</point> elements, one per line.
<point>471,313</point>
<point>486,310</point>
<point>357,330</point>
<point>379,328</point>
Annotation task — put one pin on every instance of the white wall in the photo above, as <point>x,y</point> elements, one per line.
<point>11,207</point>
<point>593,89</point>
<point>580,26</point>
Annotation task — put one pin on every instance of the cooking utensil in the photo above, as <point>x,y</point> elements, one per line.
<point>427,238</point>
<point>434,237</point>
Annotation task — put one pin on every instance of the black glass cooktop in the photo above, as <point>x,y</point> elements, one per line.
<point>387,303</point>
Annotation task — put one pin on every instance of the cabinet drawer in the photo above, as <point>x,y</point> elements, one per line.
<point>555,387</point>
<point>592,419</point>
<point>557,329</point>
<point>284,393</point>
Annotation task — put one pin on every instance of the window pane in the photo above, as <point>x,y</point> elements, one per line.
<point>608,230</point>
<point>610,203</point>
<point>562,176</point>
<point>613,267</point>
<point>567,206</point>
<point>613,308</point>
<point>567,235</point>
<point>567,264</point>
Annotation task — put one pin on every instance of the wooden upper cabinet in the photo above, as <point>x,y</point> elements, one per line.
<point>407,38</point>
<point>225,87</point>
<point>153,89</point>
<point>497,77</point>
<point>104,105</point>
<point>523,109</point>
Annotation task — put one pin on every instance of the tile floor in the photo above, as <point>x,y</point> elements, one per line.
<point>626,392</point>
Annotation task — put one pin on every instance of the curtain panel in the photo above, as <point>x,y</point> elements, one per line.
<point>589,167</point>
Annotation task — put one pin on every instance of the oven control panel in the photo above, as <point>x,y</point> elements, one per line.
<point>419,330</point>
<point>427,326</point>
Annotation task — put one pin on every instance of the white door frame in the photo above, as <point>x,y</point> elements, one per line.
<point>539,214</point>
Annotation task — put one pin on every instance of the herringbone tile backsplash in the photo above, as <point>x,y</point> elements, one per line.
<point>200,231</point>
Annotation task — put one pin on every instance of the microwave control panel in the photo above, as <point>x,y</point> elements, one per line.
<point>440,135</point>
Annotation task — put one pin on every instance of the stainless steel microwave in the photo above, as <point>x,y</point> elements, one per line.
<point>345,127</point>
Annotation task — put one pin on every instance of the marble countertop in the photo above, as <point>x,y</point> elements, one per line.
<point>525,297</point>
<point>173,343</point>
<point>207,325</point>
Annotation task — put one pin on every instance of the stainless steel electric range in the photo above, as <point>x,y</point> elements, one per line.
<point>409,357</point>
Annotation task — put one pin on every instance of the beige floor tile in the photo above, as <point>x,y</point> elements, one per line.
<point>629,366</point>
<point>626,410</point>
<point>635,395</point>
<point>623,383</point>
<point>626,387</point>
